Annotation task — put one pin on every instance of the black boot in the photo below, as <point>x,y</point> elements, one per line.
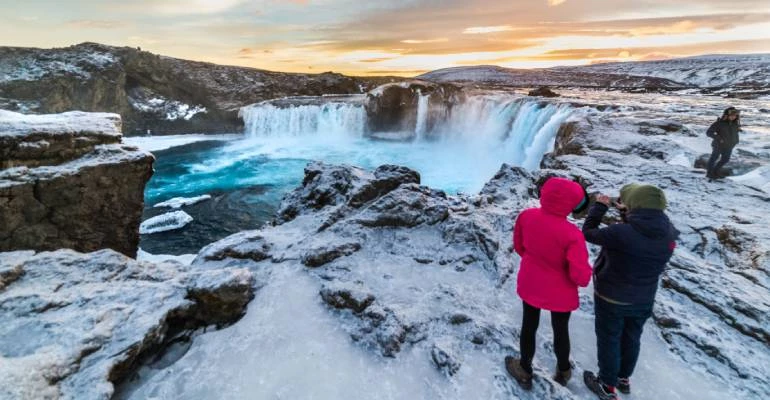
<point>562,377</point>
<point>601,390</point>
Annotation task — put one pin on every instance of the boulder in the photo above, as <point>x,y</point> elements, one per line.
<point>392,109</point>
<point>736,166</point>
<point>79,188</point>
<point>543,92</point>
<point>75,324</point>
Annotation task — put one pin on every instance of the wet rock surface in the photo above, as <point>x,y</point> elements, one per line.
<point>75,324</point>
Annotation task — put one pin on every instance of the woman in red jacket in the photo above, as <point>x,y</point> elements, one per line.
<point>554,262</point>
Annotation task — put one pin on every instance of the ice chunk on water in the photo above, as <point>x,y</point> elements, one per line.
<point>179,202</point>
<point>165,222</point>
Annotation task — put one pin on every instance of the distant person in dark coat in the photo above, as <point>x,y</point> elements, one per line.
<point>626,275</point>
<point>724,133</point>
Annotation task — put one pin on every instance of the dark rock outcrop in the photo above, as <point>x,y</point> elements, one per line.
<point>323,255</point>
<point>543,92</point>
<point>394,107</point>
<point>72,185</point>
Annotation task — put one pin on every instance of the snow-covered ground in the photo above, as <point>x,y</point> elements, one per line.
<point>720,70</point>
<point>158,143</point>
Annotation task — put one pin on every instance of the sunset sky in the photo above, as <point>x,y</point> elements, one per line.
<point>404,37</point>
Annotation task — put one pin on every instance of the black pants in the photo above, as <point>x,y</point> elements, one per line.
<point>721,154</point>
<point>529,324</point>
<point>618,337</point>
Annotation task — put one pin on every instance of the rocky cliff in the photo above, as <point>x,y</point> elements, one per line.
<point>67,182</point>
<point>151,92</point>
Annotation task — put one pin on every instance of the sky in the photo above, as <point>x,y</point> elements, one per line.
<point>401,37</point>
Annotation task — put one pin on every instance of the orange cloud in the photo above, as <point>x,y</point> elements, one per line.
<point>487,29</point>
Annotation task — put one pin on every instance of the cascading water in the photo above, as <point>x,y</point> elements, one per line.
<point>525,128</point>
<point>422,115</point>
<point>327,118</point>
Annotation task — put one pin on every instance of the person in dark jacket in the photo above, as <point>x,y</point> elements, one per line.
<point>626,275</point>
<point>724,134</point>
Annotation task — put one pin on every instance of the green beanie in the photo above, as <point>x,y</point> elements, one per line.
<point>642,196</point>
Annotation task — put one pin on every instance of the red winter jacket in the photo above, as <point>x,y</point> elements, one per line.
<point>554,259</point>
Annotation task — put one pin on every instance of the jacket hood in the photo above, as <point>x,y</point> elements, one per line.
<point>652,223</point>
<point>560,196</point>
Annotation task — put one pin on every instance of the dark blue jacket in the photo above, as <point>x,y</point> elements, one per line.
<point>726,134</point>
<point>634,254</point>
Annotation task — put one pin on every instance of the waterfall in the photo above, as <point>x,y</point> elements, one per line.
<point>330,118</point>
<point>523,127</point>
<point>422,115</point>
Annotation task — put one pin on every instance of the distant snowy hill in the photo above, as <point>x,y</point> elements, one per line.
<point>491,74</point>
<point>709,71</point>
<point>738,71</point>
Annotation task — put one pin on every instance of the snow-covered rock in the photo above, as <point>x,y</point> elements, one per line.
<point>409,289</point>
<point>32,140</point>
<point>74,324</point>
<point>67,182</point>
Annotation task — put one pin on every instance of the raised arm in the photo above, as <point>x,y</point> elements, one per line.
<point>593,234</point>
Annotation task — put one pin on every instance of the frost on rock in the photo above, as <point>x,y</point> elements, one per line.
<point>165,222</point>
<point>75,324</point>
<point>172,110</point>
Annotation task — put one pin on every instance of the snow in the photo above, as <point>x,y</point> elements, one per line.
<point>158,143</point>
<point>701,71</point>
<point>172,110</point>
<point>179,202</point>
<point>110,154</point>
<point>39,64</point>
<point>758,178</point>
<point>72,317</point>
<point>184,259</point>
<point>68,123</point>
<point>165,222</point>
<point>681,160</point>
